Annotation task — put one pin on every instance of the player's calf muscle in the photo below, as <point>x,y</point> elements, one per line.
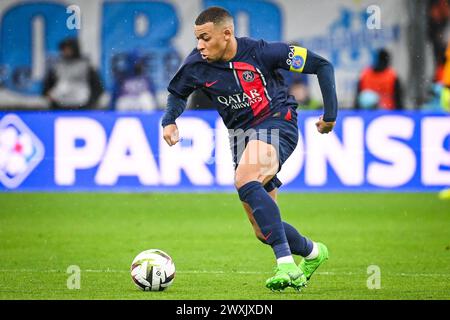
<point>251,218</point>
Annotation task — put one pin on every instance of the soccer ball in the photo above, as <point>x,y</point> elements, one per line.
<point>153,270</point>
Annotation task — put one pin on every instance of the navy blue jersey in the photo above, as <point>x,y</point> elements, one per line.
<point>248,89</point>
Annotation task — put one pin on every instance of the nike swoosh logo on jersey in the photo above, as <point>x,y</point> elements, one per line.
<point>210,84</point>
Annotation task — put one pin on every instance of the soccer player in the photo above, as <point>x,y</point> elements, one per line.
<point>240,76</point>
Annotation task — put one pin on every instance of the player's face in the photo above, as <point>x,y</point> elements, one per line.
<point>212,41</point>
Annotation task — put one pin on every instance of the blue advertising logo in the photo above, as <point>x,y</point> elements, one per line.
<point>20,151</point>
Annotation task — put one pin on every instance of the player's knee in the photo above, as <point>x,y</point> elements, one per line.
<point>239,182</point>
<point>243,177</point>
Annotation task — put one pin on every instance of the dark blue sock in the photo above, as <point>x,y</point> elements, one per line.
<point>267,216</point>
<point>299,244</point>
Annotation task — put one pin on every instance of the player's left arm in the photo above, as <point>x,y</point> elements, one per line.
<point>297,59</point>
<point>180,87</point>
<point>308,62</point>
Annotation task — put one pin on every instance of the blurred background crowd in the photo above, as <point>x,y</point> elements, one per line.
<point>108,62</point>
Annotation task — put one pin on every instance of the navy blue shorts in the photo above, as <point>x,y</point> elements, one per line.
<point>280,130</point>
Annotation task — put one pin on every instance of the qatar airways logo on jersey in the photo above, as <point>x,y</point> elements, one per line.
<point>241,100</point>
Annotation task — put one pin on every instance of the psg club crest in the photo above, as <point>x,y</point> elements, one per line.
<point>248,76</point>
<point>20,151</point>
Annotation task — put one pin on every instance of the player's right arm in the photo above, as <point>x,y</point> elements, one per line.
<point>180,87</point>
<point>175,107</point>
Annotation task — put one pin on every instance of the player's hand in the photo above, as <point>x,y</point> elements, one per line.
<point>170,134</point>
<point>324,127</point>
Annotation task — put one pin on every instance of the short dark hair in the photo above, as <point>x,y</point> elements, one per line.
<point>382,60</point>
<point>215,15</point>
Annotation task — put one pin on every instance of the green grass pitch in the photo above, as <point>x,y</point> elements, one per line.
<point>213,246</point>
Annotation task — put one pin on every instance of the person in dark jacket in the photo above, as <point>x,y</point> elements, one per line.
<point>71,83</point>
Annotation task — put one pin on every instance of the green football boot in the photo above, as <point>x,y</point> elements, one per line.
<point>286,274</point>
<point>309,266</point>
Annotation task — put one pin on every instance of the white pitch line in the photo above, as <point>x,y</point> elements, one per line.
<point>328,273</point>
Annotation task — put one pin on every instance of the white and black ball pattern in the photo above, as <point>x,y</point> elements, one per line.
<point>153,270</point>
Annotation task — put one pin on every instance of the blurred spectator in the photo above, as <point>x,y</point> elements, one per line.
<point>3,75</point>
<point>445,82</point>
<point>439,72</point>
<point>133,89</point>
<point>439,91</point>
<point>438,13</point>
<point>379,86</point>
<point>299,88</point>
<point>71,82</point>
